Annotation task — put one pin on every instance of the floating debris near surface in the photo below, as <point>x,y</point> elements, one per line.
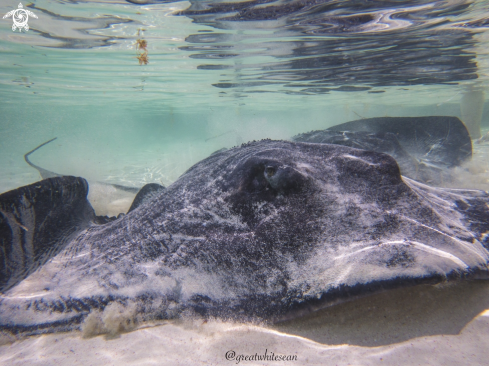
<point>142,44</point>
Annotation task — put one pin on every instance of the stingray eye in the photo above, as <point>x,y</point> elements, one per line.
<point>270,171</point>
<point>251,175</point>
<point>267,178</point>
<point>284,179</point>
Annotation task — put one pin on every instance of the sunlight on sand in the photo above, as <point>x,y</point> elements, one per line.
<point>423,325</point>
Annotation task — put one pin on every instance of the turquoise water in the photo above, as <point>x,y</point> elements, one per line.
<point>211,83</point>
<point>219,76</point>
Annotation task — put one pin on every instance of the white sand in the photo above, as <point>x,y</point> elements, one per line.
<point>423,325</point>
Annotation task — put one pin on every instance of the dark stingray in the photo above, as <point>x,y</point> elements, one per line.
<point>424,147</point>
<point>263,232</point>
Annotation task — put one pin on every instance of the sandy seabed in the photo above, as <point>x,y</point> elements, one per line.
<point>424,325</point>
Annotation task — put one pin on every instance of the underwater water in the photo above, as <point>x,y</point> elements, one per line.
<point>219,74</point>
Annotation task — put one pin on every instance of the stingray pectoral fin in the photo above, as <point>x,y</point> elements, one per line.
<point>44,173</point>
<point>146,193</point>
<point>36,221</point>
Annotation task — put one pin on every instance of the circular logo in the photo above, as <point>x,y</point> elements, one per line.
<point>20,18</point>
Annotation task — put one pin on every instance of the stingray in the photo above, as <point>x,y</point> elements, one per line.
<point>265,232</point>
<point>426,148</point>
<point>49,174</point>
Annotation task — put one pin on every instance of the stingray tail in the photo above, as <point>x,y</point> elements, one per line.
<point>44,173</point>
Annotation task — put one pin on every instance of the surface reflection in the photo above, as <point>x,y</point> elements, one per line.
<point>314,47</point>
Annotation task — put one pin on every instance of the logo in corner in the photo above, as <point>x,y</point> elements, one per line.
<point>20,17</point>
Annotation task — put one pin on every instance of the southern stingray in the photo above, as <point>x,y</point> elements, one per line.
<point>265,231</point>
<point>426,148</point>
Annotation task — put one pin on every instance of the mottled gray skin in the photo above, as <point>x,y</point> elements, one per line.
<point>265,231</point>
<point>425,148</point>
